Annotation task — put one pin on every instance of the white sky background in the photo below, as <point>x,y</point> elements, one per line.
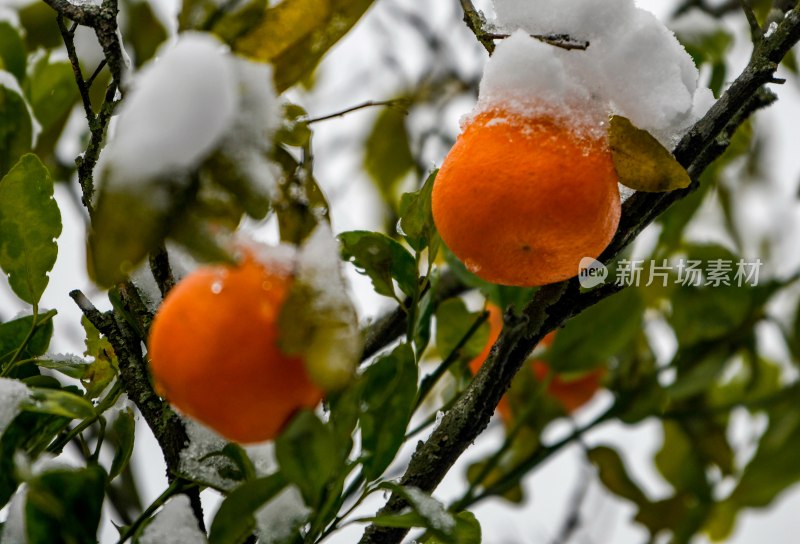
<point>355,72</point>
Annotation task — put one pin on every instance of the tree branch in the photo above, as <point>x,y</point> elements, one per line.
<point>554,304</point>
<point>167,427</point>
<point>86,14</point>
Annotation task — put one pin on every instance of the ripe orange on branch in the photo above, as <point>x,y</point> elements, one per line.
<point>214,353</point>
<point>521,199</point>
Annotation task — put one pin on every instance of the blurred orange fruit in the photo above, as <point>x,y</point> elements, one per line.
<point>571,393</point>
<point>214,354</point>
<point>521,200</point>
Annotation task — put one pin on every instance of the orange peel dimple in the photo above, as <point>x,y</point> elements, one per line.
<point>521,200</point>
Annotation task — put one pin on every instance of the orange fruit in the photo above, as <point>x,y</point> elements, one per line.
<point>214,354</point>
<point>521,200</point>
<point>571,393</point>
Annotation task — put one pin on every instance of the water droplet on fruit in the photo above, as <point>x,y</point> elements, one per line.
<point>266,286</point>
<point>472,266</point>
<point>216,287</point>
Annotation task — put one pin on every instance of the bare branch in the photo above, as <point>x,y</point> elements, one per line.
<point>86,15</point>
<point>401,103</point>
<point>162,420</point>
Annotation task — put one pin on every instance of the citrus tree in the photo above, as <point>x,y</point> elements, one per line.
<point>510,256</point>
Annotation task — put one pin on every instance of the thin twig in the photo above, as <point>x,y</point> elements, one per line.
<point>562,41</point>
<point>401,103</point>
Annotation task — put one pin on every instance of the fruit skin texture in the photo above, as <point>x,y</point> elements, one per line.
<point>520,200</point>
<point>570,393</point>
<point>213,351</point>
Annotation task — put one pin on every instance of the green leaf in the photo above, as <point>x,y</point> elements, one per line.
<point>128,223</point>
<point>709,313</point>
<point>294,130</point>
<point>603,330</point>
<point>98,375</point>
<point>236,454</point>
<point>235,176</point>
<point>12,51</point>
<point>304,451</point>
<point>40,26</point>
<point>20,333</point>
<point>74,368</point>
<point>29,224</point>
<point>430,514</point>
<point>416,217</point>
<point>123,433</point>
<point>468,530</point>
<point>453,322</point>
<point>614,475</point>
<point>52,92</point>
<point>301,205</point>
<point>642,163</point>
<point>16,126</point>
<point>295,34</point>
<point>30,433</point>
<point>389,395</point>
<point>425,309</point>
<point>65,506</point>
<point>387,155</point>
<point>774,467</point>
<point>235,519</point>
<point>96,345</point>
<point>699,367</point>
<point>679,463</point>
<point>382,259</point>
<point>345,407</point>
<point>58,402</point>
<point>145,31</point>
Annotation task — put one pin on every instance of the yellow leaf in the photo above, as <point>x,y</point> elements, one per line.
<point>295,34</point>
<point>642,163</point>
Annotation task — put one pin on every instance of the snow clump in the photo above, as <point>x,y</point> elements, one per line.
<point>12,394</point>
<point>174,524</point>
<point>633,66</point>
<point>194,99</point>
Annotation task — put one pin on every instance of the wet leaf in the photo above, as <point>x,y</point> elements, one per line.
<point>145,32</point>
<point>416,217</point>
<point>387,154</point>
<point>12,51</point>
<point>382,259</point>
